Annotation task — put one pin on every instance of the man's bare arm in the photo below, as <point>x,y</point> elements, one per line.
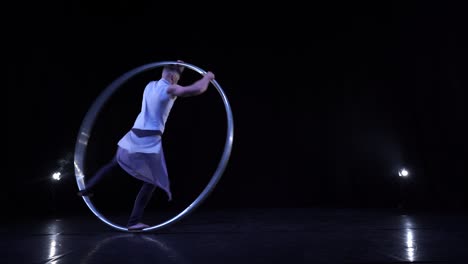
<point>195,88</point>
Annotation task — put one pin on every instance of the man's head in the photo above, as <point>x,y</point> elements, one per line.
<point>172,72</point>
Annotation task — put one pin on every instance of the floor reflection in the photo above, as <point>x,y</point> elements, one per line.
<point>410,241</point>
<point>53,249</point>
<point>122,246</point>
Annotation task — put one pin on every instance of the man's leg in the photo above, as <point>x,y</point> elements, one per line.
<point>144,196</point>
<point>104,170</point>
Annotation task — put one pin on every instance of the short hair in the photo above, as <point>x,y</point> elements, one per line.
<point>174,68</point>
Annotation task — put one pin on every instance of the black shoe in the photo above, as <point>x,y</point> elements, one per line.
<point>85,192</point>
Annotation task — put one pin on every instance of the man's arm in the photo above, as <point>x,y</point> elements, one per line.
<point>195,88</point>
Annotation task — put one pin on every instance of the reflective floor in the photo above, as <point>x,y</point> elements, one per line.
<point>248,236</point>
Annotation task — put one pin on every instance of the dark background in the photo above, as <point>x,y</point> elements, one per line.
<point>329,102</point>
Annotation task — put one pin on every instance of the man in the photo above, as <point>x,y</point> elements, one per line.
<point>140,151</point>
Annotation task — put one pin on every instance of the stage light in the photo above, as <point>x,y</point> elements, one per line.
<point>57,176</point>
<point>403,173</point>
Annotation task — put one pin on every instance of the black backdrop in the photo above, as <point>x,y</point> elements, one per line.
<point>325,112</point>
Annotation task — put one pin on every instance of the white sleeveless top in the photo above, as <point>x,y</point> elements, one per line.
<point>155,107</point>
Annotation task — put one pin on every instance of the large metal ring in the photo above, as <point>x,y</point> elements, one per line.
<point>88,122</point>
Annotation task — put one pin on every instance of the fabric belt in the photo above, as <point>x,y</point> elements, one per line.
<point>146,133</point>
